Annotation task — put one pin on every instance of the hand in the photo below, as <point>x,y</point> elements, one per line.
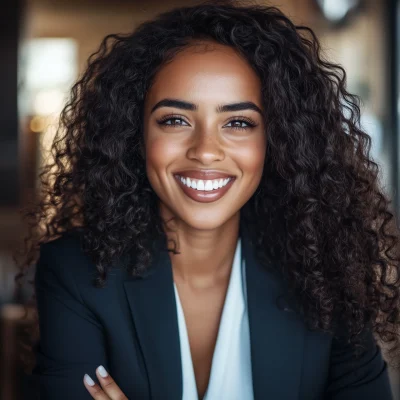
<point>109,390</point>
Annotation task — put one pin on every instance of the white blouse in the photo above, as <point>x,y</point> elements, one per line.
<point>230,377</point>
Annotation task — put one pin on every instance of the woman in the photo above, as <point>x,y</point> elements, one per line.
<point>217,226</point>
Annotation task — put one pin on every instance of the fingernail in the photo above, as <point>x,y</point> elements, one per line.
<point>102,371</point>
<point>89,380</point>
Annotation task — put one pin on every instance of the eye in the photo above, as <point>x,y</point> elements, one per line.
<point>237,123</point>
<point>171,120</point>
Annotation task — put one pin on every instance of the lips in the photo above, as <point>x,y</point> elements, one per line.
<point>204,196</point>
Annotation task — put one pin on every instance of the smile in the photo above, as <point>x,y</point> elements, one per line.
<point>204,190</point>
<point>204,184</point>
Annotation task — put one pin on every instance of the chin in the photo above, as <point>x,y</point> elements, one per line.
<point>204,220</point>
<point>204,225</point>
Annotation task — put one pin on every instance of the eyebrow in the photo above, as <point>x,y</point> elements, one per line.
<point>184,105</point>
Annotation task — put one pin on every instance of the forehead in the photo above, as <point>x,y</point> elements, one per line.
<point>206,72</point>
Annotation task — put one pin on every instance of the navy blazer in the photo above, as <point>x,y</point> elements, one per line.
<point>131,328</point>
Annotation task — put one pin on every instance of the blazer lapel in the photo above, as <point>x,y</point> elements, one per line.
<point>276,335</point>
<point>153,308</point>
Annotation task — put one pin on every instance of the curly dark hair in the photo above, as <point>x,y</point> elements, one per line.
<point>338,242</point>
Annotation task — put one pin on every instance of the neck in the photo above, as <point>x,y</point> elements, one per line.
<point>204,257</point>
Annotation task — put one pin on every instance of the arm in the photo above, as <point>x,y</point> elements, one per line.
<point>71,339</point>
<point>363,378</point>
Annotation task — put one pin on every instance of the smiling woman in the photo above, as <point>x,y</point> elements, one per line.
<point>214,226</point>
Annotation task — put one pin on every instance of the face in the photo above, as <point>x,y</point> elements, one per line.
<point>204,136</point>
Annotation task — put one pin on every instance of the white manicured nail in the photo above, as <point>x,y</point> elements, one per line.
<point>89,380</point>
<point>102,371</point>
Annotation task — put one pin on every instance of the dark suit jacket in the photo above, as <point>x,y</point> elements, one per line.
<point>131,328</point>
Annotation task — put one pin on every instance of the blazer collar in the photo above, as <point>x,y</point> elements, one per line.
<point>276,333</point>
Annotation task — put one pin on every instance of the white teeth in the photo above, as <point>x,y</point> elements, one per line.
<point>207,185</point>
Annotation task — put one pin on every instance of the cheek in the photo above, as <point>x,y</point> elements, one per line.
<point>251,159</point>
<point>159,154</point>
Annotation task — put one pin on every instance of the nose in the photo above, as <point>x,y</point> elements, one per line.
<point>206,147</point>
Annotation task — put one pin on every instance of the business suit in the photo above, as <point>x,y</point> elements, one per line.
<point>131,328</point>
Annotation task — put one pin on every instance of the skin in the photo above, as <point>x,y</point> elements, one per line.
<point>209,75</point>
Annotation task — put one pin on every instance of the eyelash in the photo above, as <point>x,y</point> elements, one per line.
<point>248,121</point>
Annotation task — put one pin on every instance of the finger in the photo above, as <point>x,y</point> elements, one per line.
<point>109,385</point>
<point>94,389</point>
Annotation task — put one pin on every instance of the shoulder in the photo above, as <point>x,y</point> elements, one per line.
<point>66,243</point>
<point>63,258</point>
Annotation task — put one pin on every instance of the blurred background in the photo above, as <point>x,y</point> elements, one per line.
<point>44,47</point>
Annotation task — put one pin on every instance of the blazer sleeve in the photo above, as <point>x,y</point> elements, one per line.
<point>365,377</point>
<point>71,338</point>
